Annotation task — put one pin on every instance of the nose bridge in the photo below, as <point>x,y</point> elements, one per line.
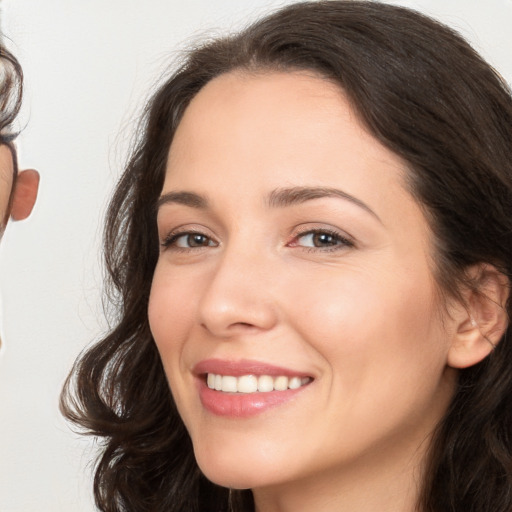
<point>238,295</point>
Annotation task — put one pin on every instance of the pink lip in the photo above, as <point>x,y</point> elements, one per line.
<point>243,367</point>
<point>241,405</point>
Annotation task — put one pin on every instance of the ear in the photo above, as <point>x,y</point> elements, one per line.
<point>482,320</point>
<point>25,194</point>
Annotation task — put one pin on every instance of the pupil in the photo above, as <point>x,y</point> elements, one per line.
<point>196,240</point>
<point>323,239</point>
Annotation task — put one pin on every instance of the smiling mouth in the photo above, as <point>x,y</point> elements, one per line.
<point>246,384</point>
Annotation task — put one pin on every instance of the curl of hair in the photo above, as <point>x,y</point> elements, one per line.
<point>11,90</point>
<point>424,93</point>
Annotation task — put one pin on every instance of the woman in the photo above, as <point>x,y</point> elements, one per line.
<point>311,248</point>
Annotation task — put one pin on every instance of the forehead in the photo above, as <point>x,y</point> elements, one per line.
<point>265,103</point>
<point>273,127</point>
<point>247,134</point>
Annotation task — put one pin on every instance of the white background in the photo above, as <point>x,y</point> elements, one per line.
<point>89,64</point>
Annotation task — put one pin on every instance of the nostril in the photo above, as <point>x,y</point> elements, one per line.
<point>226,314</point>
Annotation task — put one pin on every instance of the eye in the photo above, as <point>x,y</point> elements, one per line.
<point>188,240</point>
<point>321,239</point>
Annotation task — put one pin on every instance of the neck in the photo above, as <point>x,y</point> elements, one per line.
<point>386,483</point>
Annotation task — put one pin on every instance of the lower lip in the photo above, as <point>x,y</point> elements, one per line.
<point>243,405</point>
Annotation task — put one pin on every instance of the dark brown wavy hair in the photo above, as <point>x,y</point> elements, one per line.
<point>11,92</point>
<point>425,94</point>
<point>11,89</point>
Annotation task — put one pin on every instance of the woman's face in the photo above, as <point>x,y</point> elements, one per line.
<point>294,261</point>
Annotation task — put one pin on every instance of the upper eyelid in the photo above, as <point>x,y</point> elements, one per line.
<point>322,230</point>
<point>297,232</point>
<point>185,228</point>
<point>316,227</point>
<point>174,234</point>
<point>345,239</point>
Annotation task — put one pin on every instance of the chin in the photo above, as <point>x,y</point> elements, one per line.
<point>232,481</point>
<point>232,477</point>
<point>238,470</point>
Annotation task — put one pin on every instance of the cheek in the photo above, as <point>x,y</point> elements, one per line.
<point>369,325</point>
<point>6,179</point>
<point>386,353</point>
<point>5,190</point>
<point>171,312</point>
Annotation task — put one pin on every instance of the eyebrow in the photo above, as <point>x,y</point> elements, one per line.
<point>279,198</point>
<point>185,198</point>
<point>296,195</point>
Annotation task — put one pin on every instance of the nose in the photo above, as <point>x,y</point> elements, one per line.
<point>239,298</point>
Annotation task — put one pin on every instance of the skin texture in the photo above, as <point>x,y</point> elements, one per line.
<point>362,318</point>
<point>25,191</point>
<point>6,176</point>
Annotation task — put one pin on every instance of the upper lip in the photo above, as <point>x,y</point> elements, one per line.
<point>243,367</point>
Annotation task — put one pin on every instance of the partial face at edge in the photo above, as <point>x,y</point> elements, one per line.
<point>290,246</point>
<point>6,181</point>
<point>25,190</point>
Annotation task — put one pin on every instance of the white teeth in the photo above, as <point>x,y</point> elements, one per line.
<point>252,383</point>
<point>294,383</point>
<point>229,384</point>
<point>247,384</point>
<point>265,383</point>
<point>281,383</point>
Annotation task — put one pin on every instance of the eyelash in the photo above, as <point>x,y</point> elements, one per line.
<point>340,242</point>
<point>171,239</point>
